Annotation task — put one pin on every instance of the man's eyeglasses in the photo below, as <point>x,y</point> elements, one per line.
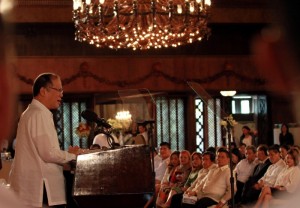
<point>56,89</point>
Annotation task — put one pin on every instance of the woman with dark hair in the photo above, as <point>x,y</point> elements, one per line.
<point>233,145</point>
<point>236,156</point>
<point>168,179</point>
<point>284,150</point>
<point>247,137</point>
<point>285,137</point>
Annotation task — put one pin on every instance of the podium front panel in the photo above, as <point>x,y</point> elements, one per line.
<point>114,178</point>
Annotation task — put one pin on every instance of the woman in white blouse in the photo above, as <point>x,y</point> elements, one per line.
<point>286,183</point>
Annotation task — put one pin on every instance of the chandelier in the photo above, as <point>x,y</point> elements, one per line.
<point>140,24</point>
<point>123,115</point>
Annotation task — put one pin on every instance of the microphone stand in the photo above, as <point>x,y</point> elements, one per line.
<point>228,129</point>
<point>92,134</point>
<point>151,142</point>
<point>151,146</point>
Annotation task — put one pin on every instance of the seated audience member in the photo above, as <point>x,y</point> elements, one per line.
<point>249,193</point>
<point>196,167</point>
<point>236,156</point>
<point>233,145</point>
<point>297,147</point>
<point>215,188</point>
<point>168,179</point>
<point>283,150</point>
<point>161,162</point>
<point>287,182</point>
<point>164,155</point>
<point>182,173</point>
<point>243,171</point>
<point>242,149</point>
<point>211,149</point>
<point>208,163</point>
<point>277,166</point>
<point>155,156</point>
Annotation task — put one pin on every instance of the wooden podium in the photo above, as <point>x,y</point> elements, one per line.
<point>114,178</point>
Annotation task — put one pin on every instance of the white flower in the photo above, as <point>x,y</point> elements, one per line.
<point>229,121</point>
<point>120,124</point>
<point>223,123</point>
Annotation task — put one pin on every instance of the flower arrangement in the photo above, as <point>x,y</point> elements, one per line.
<point>83,130</point>
<point>118,125</point>
<point>228,122</point>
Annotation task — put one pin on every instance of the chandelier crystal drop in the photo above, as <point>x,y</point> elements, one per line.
<point>140,24</point>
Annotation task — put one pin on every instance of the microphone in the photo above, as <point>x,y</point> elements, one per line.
<point>92,117</point>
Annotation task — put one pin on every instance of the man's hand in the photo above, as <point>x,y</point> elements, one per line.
<point>219,205</point>
<point>75,150</point>
<point>191,193</point>
<point>259,185</point>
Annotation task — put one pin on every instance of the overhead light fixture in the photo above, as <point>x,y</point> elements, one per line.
<point>140,24</point>
<point>227,93</point>
<point>123,115</point>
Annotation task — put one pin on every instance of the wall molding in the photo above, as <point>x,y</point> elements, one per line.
<point>156,72</point>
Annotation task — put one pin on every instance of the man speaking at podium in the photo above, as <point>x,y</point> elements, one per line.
<point>37,171</point>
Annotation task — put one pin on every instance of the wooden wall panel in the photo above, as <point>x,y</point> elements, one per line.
<point>157,74</point>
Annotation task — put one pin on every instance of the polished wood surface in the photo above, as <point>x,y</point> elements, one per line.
<point>114,178</point>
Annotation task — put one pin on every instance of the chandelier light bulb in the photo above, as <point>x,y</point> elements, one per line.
<point>76,4</point>
<point>179,9</point>
<point>208,2</point>
<point>192,7</point>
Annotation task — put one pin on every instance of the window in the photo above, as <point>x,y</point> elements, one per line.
<point>242,105</point>
<point>67,118</point>
<point>208,128</point>
<point>199,113</point>
<point>170,122</point>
